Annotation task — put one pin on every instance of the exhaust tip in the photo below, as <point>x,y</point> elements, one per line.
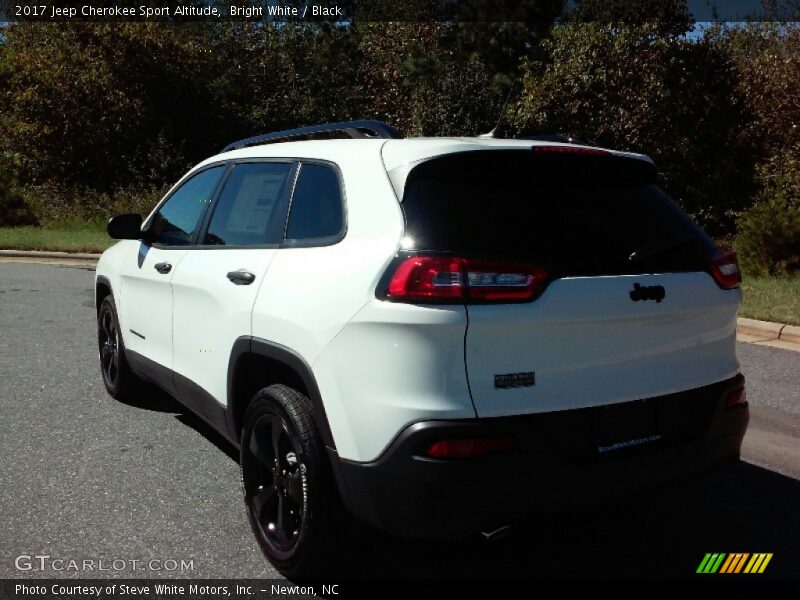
<point>496,534</point>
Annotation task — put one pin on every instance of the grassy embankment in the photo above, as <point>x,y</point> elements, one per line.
<point>63,236</point>
<point>766,298</point>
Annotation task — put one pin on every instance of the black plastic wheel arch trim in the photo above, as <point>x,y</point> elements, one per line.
<point>274,351</point>
<point>101,280</point>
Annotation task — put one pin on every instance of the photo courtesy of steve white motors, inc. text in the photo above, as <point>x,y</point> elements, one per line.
<point>191,590</point>
<point>244,11</point>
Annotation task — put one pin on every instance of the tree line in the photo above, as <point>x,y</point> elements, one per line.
<point>98,117</point>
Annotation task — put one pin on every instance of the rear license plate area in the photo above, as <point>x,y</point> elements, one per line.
<point>625,426</point>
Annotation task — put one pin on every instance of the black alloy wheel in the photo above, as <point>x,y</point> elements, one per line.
<point>118,378</point>
<point>108,339</point>
<point>292,499</point>
<point>275,484</point>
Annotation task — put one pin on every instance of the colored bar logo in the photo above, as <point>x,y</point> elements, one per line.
<point>737,562</point>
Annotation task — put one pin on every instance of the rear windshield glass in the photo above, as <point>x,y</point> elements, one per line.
<point>573,214</point>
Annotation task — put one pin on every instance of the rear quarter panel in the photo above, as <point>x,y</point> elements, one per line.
<point>309,294</point>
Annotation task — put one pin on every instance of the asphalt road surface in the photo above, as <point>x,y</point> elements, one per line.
<point>83,476</point>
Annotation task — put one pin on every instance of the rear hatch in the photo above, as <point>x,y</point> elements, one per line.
<point>625,301</point>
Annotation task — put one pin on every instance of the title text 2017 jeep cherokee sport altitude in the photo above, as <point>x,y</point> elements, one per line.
<point>384,326</point>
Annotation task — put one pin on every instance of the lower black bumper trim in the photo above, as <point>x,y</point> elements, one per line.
<point>564,460</point>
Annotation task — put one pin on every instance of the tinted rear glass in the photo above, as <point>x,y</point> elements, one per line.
<point>316,210</point>
<point>573,214</point>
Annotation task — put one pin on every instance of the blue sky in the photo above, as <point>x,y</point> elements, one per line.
<point>727,10</point>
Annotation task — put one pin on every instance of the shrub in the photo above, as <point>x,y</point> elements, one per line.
<point>768,241</point>
<point>50,203</point>
<point>14,207</point>
<point>142,201</point>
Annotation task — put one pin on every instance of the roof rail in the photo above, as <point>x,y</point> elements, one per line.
<point>355,129</point>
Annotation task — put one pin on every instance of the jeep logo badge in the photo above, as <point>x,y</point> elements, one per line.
<point>647,292</point>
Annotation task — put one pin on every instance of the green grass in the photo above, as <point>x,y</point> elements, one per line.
<point>64,236</point>
<point>771,299</point>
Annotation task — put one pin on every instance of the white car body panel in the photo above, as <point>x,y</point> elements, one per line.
<point>397,153</point>
<point>392,365</point>
<point>211,312</point>
<point>144,300</point>
<point>589,344</point>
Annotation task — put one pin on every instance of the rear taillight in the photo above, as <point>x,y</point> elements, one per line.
<point>427,277</point>
<point>725,270</point>
<point>736,398</point>
<point>470,447</point>
<point>438,278</point>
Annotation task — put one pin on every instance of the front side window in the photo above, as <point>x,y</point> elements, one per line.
<point>177,220</point>
<point>247,206</point>
<point>317,208</point>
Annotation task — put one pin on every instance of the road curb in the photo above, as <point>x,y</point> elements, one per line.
<point>764,330</point>
<point>790,333</point>
<point>767,333</point>
<point>50,255</point>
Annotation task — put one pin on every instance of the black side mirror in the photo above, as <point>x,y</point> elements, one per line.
<point>125,227</point>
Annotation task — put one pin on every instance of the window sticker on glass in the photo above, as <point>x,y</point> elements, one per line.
<point>246,208</point>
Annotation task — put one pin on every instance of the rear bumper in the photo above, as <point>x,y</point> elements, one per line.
<point>556,465</point>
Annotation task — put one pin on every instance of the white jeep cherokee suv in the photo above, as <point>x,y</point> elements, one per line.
<point>385,325</point>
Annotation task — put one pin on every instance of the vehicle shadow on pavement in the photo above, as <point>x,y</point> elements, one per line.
<point>223,445</point>
<point>663,533</point>
<point>743,508</point>
<point>151,397</point>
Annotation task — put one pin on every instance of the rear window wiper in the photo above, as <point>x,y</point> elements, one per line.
<point>662,246</point>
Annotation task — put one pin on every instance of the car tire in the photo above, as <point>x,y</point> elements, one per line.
<point>118,378</point>
<point>292,501</point>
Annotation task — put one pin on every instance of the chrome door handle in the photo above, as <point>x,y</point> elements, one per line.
<point>163,267</point>
<point>241,277</point>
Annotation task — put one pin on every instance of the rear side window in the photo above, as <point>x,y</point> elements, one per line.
<point>246,209</point>
<point>178,218</point>
<point>317,210</point>
<point>573,214</point>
